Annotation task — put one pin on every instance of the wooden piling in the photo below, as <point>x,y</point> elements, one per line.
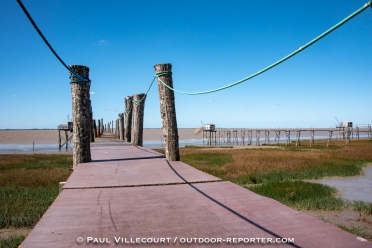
<point>59,139</point>
<point>138,115</point>
<point>128,101</point>
<point>99,128</point>
<point>298,137</point>
<point>258,133</point>
<point>277,134</point>
<point>94,128</point>
<point>117,129</point>
<point>329,142</point>
<point>121,126</point>
<point>250,137</point>
<point>80,115</point>
<point>91,122</point>
<point>287,137</point>
<point>168,112</point>
<point>66,139</point>
<point>312,136</point>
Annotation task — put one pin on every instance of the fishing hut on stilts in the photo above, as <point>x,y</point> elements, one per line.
<point>210,134</point>
<point>67,137</point>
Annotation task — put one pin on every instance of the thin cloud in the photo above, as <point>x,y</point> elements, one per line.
<point>102,43</point>
<point>14,95</point>
<point>210,100</point>
<point>92,92</point>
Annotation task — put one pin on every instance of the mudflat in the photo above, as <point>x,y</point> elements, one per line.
<point>26,137</point>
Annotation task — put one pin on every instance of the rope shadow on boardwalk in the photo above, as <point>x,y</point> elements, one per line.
<point>229,209</point>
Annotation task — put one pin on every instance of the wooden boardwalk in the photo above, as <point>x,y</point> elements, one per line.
<point>131,196</point>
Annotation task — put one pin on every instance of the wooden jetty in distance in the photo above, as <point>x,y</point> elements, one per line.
<point>132,196</point>
<point>245,136</point>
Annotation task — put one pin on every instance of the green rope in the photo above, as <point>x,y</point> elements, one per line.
<point>128,110</point>
<point>276,63</point>
<point>156,76</point>
<point>139,101</point>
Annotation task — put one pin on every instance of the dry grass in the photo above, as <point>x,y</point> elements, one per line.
<point>34,161</point>
<point>32,178</point>
<point>304,162</point>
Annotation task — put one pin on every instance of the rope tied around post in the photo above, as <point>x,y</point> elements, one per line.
<point>75,75</point>
<point>76,78</point>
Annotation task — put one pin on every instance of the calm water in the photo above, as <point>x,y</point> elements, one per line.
<point>355,188</point>
<point>41,148</point>
<point>186,138</point>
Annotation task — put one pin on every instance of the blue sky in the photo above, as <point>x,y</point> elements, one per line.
<point>209,43</point>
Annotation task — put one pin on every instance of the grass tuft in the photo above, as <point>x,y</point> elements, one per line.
<point>357,230</point>
<point>300,195</point>
<point>207,163</point>
<point>363,207</point>
<point>11,241</point>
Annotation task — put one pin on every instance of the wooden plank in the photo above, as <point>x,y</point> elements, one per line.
<point>134,172</point>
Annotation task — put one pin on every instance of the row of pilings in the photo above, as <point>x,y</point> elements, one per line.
<point>244,136</point>
<point>129,125</point>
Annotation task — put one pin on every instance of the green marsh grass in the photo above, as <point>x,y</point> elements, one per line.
<point>362,207</point>
<point>300,195</point>
<point>357,230</point>
<point>11,241</point>
<point>29,185</point>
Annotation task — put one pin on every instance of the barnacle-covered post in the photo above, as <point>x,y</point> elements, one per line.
<point>99,128</point>
<point>128,102</point>
<point>138,113</point>
<point>80,87</point>
<point>121,126</point>
<point>91,123</point>
<point>168,111</point>
<point>94,128</point>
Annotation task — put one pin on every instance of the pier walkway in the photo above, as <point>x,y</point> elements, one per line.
<point>132,196</point>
